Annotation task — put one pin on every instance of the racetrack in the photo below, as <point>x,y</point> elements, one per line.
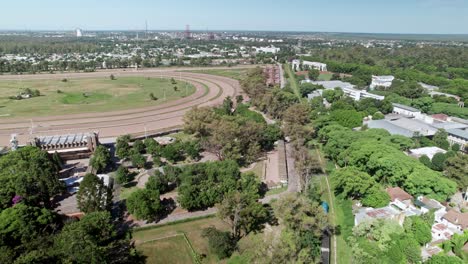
<point>210,90</point>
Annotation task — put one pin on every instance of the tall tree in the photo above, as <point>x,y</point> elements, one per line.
<point>100,159</point>
<point>456,168</point>
<point>94,195</point>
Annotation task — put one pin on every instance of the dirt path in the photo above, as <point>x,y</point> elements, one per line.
<point>134,121</point>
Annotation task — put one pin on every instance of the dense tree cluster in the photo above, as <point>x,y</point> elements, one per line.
<point>379,154</point>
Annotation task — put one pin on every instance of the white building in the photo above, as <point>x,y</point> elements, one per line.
<point>381,81</point>
<point>271,49</point>
<point>347,88</point>
<point>79,33</point>
<point>458,136</point>
<point>428,151</point>
<point>296,64</point>
<point>407,111</point>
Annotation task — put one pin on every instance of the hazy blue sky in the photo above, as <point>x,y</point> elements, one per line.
<point>385,16</point>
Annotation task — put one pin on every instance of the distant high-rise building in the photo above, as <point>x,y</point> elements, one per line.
<point>188,34</point>
<point>79,32</point>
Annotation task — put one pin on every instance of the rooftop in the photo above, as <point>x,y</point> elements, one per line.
<point>428,151</point>
<point>458,133</point>
<point>409,108</point>
<point>64,139</point>
<point>457,218</point>
<point>398,193</point>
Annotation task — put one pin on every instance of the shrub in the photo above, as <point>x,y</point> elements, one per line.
<point>220,243</point>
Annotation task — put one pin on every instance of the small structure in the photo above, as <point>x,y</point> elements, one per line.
<point>428,151</point>
<point>455,220</point>
<point>407,111</point>
<point>381,81</point>
<point>14,142</point>
<point>388,212</point>
<point>396,193</point>
<point>71,146</point>
<point>165,140</point>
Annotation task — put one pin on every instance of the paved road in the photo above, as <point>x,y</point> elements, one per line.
<point>115,123</point>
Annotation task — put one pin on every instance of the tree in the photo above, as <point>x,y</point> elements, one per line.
<point>152,147</point>
<point>100,159</point>
<point>313,74</point>
<point>440,139</point>
<point>122,147</point>
<point>227,106</point>
<point>352,182</point>
<point>438,161</point>
<point>57,160</point>
<point>98,242</point>
<point>376,198</point>
<point>138,146</point>
<point>424,159</point>
<point>307,88</point>
<point>138,160</point>
<point>456,168</point>
<point>242,212</point>
<point>421,230</point>
<point>347,118</point>
<point>198,120</point>
<point>219,242</point>
<point>378,116</point>
<point>29,173</point>
<point>145,204</point>
<point>122,175</point>
<point>112,77</point>
<point>444,259</point>
<point>239,99</point>
<point>94,195</point>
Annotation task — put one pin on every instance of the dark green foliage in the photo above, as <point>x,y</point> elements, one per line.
<point>94,195</point>
<point>158,182</point>
<point>24,228</point>
<point>313,74</point>
<point>220,243</point>
<point>332,95</point>
<point>122,147</point>
<point>145,204</point>
<point>456,168</point>
<point>138,160</point>
<point>173,152</point>
<point>138,146</point>
<point>94,239</point>
<point>420,230</point>
<point>192,149</point>
<point>455,147</point>
<point>426,161</point>
<point>438,161</point>
<point>204,185</point>
<point>58,162</point>
<point>122,176</point>
<point>440,139</point>
<point>307,88</point>
<point>29,173</point>
<point>152,147</point>
<point>100,159</point>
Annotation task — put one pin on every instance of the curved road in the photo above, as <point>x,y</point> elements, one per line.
<point>210,90</point>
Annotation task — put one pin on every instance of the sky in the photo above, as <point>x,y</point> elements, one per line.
<point>366,16</point>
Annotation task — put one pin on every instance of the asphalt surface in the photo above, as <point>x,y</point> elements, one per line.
<point>210,90</point>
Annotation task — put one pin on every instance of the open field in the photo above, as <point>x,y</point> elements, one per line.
<point>325,77</point>
<point>236,74</point>
<point>210,90</point>
<point>88,95</point>
<point>170,249</point>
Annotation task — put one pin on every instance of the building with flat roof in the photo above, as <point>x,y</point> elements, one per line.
<point>406,110</point>
<point>401,125</point>
<point>347,88</point>
<point>296,64</point>
<point>70,146</point>
<point>428,151</point>
<point>381,81</point>
<point>458,136</point>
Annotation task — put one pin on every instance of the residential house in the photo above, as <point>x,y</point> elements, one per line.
<point>455,220</point>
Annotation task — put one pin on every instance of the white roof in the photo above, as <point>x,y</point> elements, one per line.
<point>428,151</point>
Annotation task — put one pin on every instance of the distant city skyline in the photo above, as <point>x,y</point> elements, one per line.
<point>358,16</point>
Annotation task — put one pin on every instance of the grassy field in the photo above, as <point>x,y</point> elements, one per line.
<point>87,95</point>
<point>292,80</point>
<point>325,77</point>
<point>192,230</point>
<point>236,74</point>
<point>168,250</point>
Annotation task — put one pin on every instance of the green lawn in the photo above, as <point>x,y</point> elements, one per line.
<point>325,77</point>
<point>192,229</point>
<point>87,95</point>
<point>168,250</point>
<point>258,169</point>
<point>126,192</point>
<point>236,74</point>
<point>292,80</point>
<point>276,190</point>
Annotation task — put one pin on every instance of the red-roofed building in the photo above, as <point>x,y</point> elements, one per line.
<point>396,193</point>
<point>441,117</point>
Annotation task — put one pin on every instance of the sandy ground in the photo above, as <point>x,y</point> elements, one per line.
<point>272,169</point>
<point>115,123</point>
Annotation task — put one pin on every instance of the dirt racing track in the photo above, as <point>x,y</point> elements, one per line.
<point>210,90</point>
